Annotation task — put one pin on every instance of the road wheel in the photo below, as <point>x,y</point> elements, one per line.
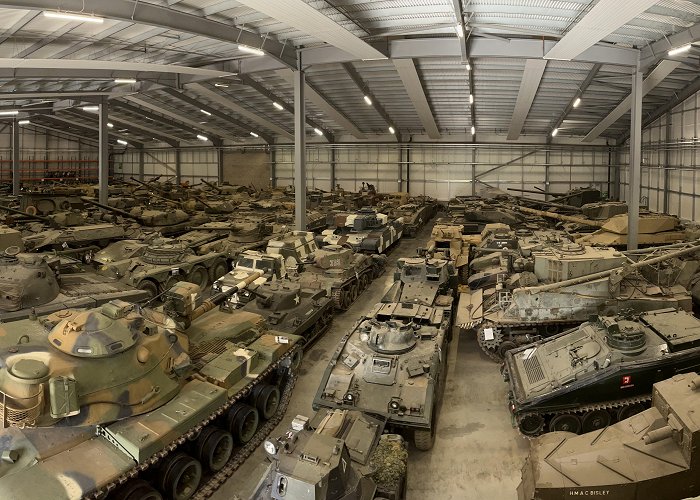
<point>267,400</point>
<point>179,476</point>
<point>242,421</point>
<point>214,447</point>
<point>149,287</point>
<point>531,425</point>
<point>629,411</point>
<point>199,276</point>
<point>352,294</point>
<point>594,420</point>
<point>137,489</point>
<point>218,269</point>
<point>566,422</point>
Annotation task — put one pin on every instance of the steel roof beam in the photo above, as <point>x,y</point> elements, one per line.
<point>364,88</point>
<point>309,20</point>
<point>240,110</point>
<point>532,75</point>
<point>655,77</point>
<point>164,17</point>
<point>65,132</point>
<point>320,101</point>
<point>262,90</point>
<point>581,89</point>
<point>678,98</point>
<point>153,117</point>
<point>658,50</point>
<point>414,88</point>
<point>78,126</point>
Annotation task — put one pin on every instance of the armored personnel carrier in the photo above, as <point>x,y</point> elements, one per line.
<point>393,363</point>
<point>585,379</point>
<point>654,455</point>
<point>138,403</point>
<point>524,311</point>
<point>349,457</point>
<point>34,284</point>
<point>292,309</point>
<point>363,231</point>
<point>159,265</point>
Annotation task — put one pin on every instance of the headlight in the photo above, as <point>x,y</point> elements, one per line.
<point>270,447</point>
<point>349,398</point>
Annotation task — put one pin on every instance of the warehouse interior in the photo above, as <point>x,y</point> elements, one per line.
<point>201,133</point>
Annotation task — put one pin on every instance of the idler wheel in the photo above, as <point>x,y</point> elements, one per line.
<point>214,447</point>
<point>267,400</point>
<point>531,425</point>
<point>566,422</point>
<point>179,476</point>
<point>505,347</point>
<point>594,420</point>
<point>137,489</point>
<point>242,421</point>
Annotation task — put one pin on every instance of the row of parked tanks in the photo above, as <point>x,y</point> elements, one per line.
<point>135,398</point>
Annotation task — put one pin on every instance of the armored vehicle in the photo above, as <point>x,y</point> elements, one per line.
<point>475,213</point>
<point>421,281</point>
<point>292,309</point>
<point>654,455</point>
<point>338,454</point>
<point>120,397</point>
<point>600,372</point>
<point>414,215</point>
<point>74,237</point>
<point>525,311</point>
<point>448,242</point>
<point>46,202</point>
<point>363,231</point>
<point>343,273</point>
<point>239,236</point>
<point>576,197</point>
<point>162,263</point>
<point>393,364</point>
<point>34,284</point>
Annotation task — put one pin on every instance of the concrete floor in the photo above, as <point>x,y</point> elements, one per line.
<point>477,453</point>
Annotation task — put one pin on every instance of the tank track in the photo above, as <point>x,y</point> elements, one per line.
<point>581,410</point>
<point>338,293</point>
<point>210,485</point>
<point>492,347</point>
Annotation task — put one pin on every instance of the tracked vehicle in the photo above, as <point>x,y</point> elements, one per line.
<point>654,455</point>
<point>363,231</point>
<point>140,403</point>
<point>394,361</point>
<point>601,372</point>
<point>338,454</point>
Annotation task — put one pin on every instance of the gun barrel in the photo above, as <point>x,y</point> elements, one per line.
<point>29,216</point>
<point>214,187</point>
<point>534,191</point>
<point>561,217</point>
<point>118,211</point>
<point>218,298</point>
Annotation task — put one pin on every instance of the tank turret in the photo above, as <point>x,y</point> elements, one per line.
<point>26,280</point>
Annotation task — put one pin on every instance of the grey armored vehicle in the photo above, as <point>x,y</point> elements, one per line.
<point>363,231</point>
<point>653,455</point>
<point>394,361</point>
<point>34,284</point>
<point>603,371</point>
<point>338,455</point>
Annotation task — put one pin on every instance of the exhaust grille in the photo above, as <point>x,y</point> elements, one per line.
<point>533,369</point>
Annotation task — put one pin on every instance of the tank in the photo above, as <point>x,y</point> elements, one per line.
<point>239,236</point>
<point>142,401</point>
<point>46,202</point>
<point>654,455</point>
<point>448,241</point>
<point>34,284</point>
<point>163,262</point>
<point>600,372</point>
<point>576,197</point>
<point>393,364</point>
<point>343,273</point>
<point>363,231</point>
<point>74,237</point>
<point>338,454</point>
<point>292,309</point>
<point>414,214</point>
<point>597,281</point>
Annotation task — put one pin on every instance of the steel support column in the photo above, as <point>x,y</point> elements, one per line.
<point>667,160</point>
<point>142,161</point>
<point>273,167</point>
<point>15,158</point>
<point>473,171</point>
<point>547,158</point>
<point>103,151</point>
<point>178,166</point>
<point>220,165</point>
<point>299,149</point>
<point>400,172</point>
<point>333,160</point>
<point>634,175</point>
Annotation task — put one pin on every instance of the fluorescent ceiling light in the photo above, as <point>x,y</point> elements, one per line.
<point>125,80</point>
<point>460,30</point>
<point>679,50</point>
<point>368,100</point>
<point>471,98</point>
<point>469,67</point>
<point>205,112</point>
<point>110,125</point>
<point>202,137</point>
<point>473,130</point>
<point>278,106</point>
<point>555,132</point>
<point>221,85</point>
<point>91,109</point>
<point>391,130</point>
<point>251,50</point>
<point>9,113</point>
<point>254,134</point>
<point>318,131</point>
<point>577,102</point>
<point>24,122</point>
<point>122,142</point>
<point>69,16</point>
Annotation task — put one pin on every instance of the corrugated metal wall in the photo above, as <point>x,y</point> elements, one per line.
<point>195,164</point>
